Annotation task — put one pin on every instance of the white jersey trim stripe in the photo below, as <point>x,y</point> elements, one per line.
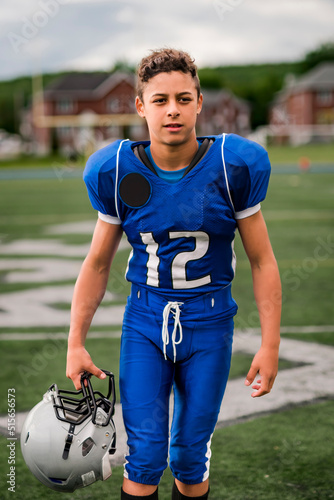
<point>243,213</point>
<point>116,181</point>
<point>109,218</point>
<point>248,212</point>
<point>234,258</point>
<point>208,457</point>
<point>225,173</point>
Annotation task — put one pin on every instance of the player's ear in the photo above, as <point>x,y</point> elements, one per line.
<point>199,104</point>
<point>140,107</point>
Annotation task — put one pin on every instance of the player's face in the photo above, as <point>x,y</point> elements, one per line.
<point>170,106</point>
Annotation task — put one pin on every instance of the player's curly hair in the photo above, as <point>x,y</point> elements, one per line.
<point>164,61</point>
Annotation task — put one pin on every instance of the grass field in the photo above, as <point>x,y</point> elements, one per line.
<point>319,153</point>
<point>316,153</point>
<point>284,456</point>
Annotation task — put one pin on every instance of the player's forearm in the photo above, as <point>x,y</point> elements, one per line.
<point>88,294</point>
<point>268,296</point>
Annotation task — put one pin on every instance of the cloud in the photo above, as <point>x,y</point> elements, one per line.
<point>53,35</point>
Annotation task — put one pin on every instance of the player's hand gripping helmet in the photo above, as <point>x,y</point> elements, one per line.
<point>68,437</point>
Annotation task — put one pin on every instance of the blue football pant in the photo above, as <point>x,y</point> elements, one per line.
<point>198,378</point>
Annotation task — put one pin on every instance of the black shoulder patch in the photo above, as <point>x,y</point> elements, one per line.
<point>134,190</point>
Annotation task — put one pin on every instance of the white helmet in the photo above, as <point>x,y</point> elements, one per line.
<point>68,437</point>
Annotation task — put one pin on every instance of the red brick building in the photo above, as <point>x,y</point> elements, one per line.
<point>304,110</point>
<point>223,112</point>
<point>80,112</point>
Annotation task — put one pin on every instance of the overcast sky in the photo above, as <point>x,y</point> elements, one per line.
<point>53,35</point>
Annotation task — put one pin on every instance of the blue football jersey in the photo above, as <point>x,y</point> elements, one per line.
<point>181,233</point>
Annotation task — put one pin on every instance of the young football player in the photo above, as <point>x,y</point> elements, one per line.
<point>179,199</point>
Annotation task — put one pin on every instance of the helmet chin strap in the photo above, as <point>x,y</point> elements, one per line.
<point>68,442</point>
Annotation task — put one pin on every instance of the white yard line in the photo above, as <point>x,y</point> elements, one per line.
<point>41,247</point>
<point>238,333</point>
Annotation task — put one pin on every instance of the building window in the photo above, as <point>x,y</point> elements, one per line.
<point>121,104</point>
<point>130,101</point>
<point>114,105</point>
<point>65,106</point>
<point>324,97</point>
<point>64,132</point>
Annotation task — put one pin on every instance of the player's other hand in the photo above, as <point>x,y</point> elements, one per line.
<point>79,361</point>
<point>265,364</point>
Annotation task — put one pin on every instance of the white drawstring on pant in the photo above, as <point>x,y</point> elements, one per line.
<point>174,308</point>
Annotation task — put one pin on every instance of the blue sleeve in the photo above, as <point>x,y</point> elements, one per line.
<point>248,171</point>
<point>99,176</point>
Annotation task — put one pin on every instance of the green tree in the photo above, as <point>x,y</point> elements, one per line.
<point>211,78</point>
<point>323,53</point>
